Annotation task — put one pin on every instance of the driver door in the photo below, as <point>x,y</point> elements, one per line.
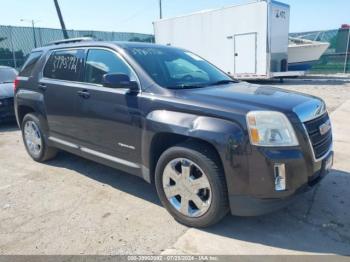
<point>109,118</point>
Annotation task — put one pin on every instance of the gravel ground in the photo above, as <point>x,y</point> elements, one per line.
<point>333,89</point>
<point>74,206</point>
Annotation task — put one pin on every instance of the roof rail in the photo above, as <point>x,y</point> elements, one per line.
<point>71,40</point>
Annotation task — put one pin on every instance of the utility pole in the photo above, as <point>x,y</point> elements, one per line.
<point>160,9</point>
<point>33,28</point>
<point>60,17</point>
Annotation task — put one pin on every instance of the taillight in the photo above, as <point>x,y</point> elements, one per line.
<point>15,83</point>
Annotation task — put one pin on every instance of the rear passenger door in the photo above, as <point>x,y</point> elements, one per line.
<point>109,118</point>
<point>60,84</point>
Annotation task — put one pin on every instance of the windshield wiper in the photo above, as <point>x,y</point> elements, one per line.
<point>189,86</point>
<point>6,82</point>
<point>223,82</point>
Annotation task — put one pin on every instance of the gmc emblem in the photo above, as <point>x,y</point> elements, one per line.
<point>324,128</point>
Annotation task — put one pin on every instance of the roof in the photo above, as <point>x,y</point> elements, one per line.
<point>138,44</point>
<point>6,67</point>
<point>120,44</point>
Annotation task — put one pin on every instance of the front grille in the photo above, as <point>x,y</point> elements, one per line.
<point>321,144</point>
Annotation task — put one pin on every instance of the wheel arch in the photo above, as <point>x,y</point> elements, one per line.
<point>27,101</point>
<point>163,141</point>
<point>22,111</point>
<point>166,128</point>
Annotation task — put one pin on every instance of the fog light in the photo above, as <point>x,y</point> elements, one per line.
<point>280,177</point>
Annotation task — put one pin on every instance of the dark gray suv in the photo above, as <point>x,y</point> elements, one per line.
<point>210,144</point>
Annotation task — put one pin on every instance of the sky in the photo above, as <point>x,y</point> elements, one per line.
<point>138,15</point>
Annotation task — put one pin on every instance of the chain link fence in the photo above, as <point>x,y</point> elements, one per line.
<point>337,58</point>
<point>17,42</point>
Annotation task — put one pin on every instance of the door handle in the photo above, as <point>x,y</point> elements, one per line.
<point>84,94</point>
<point>236,54</point>
<point>42,86</point>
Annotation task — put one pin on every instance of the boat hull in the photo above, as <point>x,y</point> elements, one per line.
<point>302,66</point>
<point>303,57</point>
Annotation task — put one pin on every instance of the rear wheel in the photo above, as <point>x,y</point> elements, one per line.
<point>34,139</point>
<point>191,185</point>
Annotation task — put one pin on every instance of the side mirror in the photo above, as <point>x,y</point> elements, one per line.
<point>119,81</point>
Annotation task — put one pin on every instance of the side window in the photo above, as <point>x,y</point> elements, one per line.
<point>65,65</point>
<point>100,62</point>
<point>30,63</point>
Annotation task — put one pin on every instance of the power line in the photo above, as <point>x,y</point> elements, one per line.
<point>135,14</point>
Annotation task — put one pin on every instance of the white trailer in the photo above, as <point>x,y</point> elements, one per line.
<point>248,41</point>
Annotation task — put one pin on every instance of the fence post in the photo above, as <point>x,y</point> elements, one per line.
<point>12,48</point>
<point>40,37</point>
<point>347,52</point>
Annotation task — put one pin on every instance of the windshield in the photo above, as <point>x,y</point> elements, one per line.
<point>7,75</point>
<point>177,69</point>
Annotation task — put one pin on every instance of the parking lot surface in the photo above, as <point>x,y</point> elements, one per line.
<point>74,206</point>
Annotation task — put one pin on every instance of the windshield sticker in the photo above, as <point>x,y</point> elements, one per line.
<point>193,56</point>
<point>146,51</point>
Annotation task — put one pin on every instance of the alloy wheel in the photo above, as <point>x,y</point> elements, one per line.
<point>187,187</point>
<point>32,138</point>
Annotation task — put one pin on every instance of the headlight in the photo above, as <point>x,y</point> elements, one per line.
<point>269,128</point>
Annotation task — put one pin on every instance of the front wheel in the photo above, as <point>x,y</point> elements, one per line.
<point>191,185</point>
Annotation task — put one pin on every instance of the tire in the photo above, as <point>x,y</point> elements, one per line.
<point>198,157</point>
<point>32,121</point>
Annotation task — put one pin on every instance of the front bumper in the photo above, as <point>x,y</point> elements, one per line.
<point>7,111</point>
<point>251,171</point>
<point>262,197</point>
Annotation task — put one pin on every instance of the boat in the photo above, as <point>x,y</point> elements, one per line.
<point>303,53</point>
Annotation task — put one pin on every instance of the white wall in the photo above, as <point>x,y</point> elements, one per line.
<point>207,33</point>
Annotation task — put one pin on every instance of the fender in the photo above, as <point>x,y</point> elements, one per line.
<point>227,137</point>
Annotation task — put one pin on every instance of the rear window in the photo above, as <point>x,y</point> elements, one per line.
<point>29,65</point>
<point>65,65</point>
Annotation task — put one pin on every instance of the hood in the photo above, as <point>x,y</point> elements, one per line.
<point>6,90</point>
<point>246,97</point>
